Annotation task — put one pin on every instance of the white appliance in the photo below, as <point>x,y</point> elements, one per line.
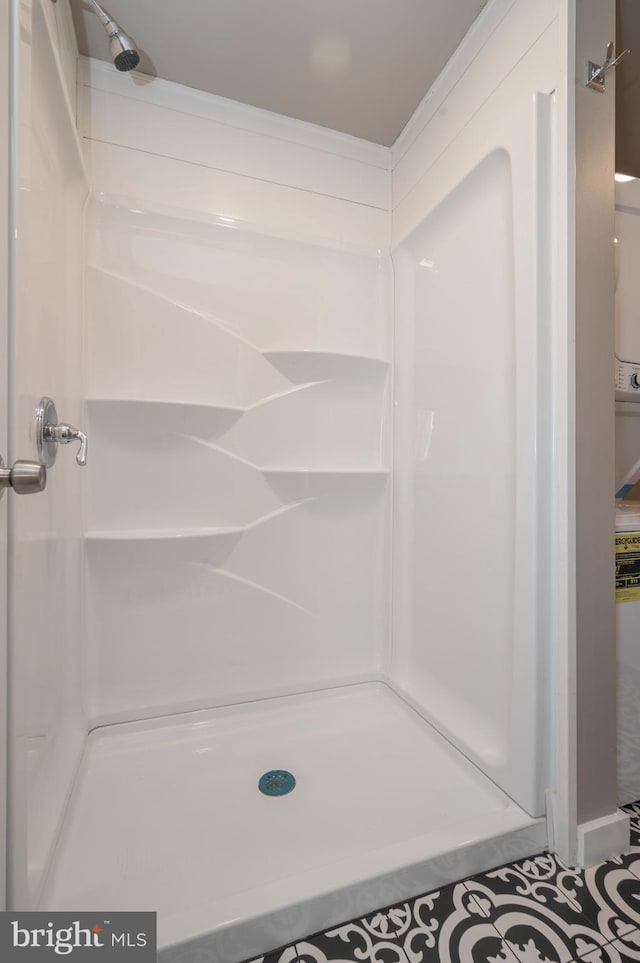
<point>628,638</point>
<point>627,301</point>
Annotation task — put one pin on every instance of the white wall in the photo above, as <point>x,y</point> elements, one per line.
<point>471,244</point>
<point>238,349</point>
<point>63,38</point>
<point>47,715</point>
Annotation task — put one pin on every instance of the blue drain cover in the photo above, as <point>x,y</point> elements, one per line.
<point>276,782</point>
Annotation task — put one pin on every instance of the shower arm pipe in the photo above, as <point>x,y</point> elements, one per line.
<point>105,17</point>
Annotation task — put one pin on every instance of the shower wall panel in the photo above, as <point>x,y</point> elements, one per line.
<point>238,356</point>
<point>48,721</point>
<point>63,38</point>
<point>471,249</point>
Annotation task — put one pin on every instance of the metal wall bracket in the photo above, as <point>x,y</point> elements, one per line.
<point>596,73</point>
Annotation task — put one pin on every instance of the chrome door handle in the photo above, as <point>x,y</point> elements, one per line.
<point>25,477</point>
<point>50,434</point>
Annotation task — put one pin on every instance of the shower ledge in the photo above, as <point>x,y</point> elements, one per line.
<point>186,544</point>
<point>328,472</point>
<point>302,364</point>
<point>313,482</point>
<point>275,354</point>
<point>383,804</point>
<point>190,409</point>
<point>159,535</point>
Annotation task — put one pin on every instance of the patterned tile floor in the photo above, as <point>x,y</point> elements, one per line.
<point>535,911</point>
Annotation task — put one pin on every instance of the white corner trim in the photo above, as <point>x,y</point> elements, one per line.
<point>475,39</point>
<point>200,103</point>
<point>603,839</point>
<point>69,111</point>
<point>63,12</point>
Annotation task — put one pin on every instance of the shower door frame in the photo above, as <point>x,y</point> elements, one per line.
<point>591,230</point>
<point>6,191</point>
<point>582,770</point>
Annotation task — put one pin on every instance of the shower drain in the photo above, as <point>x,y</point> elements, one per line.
<point>276,782</point>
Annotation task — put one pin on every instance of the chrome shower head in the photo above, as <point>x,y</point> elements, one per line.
<point>123,49</point>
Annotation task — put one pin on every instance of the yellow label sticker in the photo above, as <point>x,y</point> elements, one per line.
<point>628,567</point>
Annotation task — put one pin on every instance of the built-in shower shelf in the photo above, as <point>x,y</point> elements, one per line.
<point>188,544</point>
<point>302,364</point>
<point>159,534</point>
<point>181,416</point>
<point>318,482</point>
<point>275,354</point>
<point>326,472</point>
<point>153,405</point>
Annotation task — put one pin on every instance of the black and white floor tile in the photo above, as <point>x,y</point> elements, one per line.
<point>533,911</point>
<point>634,811</point>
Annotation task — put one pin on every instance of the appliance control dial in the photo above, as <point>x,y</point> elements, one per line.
<point>627,380</point>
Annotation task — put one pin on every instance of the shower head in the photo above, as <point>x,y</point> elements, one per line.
<point>123,49</point>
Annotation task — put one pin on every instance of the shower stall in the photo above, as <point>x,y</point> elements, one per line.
<point>313,531</point>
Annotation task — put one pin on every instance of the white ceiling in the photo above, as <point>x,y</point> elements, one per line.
<point>359,66</point>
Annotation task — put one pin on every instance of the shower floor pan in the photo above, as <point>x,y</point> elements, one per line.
<point>166,815</point>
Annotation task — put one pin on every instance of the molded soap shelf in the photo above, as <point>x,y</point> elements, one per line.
<point>329,472</point>
<point>189,545</point>
<point>190,417</point>
<point>303,365</point>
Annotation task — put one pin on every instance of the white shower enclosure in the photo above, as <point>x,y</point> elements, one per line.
<point>311,534</point>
